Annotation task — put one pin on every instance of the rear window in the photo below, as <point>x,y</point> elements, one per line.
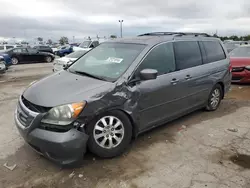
<point>240,52</point>
<point>214,51</point>
<point>45,47</point>
<point>187,54</point>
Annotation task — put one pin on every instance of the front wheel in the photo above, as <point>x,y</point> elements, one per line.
<point>109,134</point>
<point>214,98</point>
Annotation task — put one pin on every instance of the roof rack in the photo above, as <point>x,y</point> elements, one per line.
<point>175,34</point>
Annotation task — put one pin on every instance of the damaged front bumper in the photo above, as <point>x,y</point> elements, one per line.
<point>64,148</point>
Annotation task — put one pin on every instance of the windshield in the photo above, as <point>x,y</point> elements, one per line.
<point>77,54</point>
<point>108,60</point>
<point>85,44</point>
<point>241,52</point>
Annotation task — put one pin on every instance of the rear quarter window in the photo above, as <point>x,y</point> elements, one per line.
<point>214,51</point>
<point>187,54</point>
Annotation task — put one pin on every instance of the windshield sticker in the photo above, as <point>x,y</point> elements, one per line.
<point>114,60</point>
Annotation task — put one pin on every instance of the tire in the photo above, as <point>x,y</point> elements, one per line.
<point>215,98</point>
<point>14,60</point>
<point>48,59</point>
<point>120,140</point>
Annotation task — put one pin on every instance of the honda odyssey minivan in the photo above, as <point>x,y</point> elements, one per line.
<point>120,89</point>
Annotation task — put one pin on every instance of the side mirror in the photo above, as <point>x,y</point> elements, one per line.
<point>66,66</point>
<point>148,74</point>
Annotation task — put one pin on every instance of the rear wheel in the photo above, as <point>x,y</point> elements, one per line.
<point>214,98</point>
<point>48,59</point>
<point>14,60</point>
<point>109,134</point>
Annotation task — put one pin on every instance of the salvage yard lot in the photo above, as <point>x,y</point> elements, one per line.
<point>195,151</point>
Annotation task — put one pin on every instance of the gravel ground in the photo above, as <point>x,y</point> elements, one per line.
<point>195,151</point>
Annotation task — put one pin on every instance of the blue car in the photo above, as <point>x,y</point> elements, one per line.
<point>6,59</point>
<point>64,50</point>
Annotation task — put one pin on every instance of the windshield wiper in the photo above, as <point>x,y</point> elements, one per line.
<point>90,75</point>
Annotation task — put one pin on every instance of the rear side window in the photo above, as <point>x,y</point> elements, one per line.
<point>9,47</point>
<point>214,51</point>
<point>18,50</point>
<point>161,58</point>
<point>187,54</point>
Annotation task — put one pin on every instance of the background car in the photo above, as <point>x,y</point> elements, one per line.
<point>43,49</point>
<point>64,50</point>
<point>232,45</point>
<point>28,55</point>
<point>2,65</point>
<point>68,59</point>
<point>240,62</point>
<point>86,45</point>
<point>8,46</point>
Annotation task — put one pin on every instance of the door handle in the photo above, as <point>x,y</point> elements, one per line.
<point>188,77</point>
<point>174,81</point>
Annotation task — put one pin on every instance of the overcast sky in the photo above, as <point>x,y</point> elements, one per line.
<point>81,18</point>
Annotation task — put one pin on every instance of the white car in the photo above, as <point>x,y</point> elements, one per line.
<point>86,45</point>
<point>8,46</point>
<point>68,59</point>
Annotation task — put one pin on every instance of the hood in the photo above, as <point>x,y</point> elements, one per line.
<point>239,61</point>
<point>64,87</point>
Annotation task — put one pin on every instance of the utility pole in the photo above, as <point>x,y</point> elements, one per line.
<point>121,21</point>
<point>73,39</point>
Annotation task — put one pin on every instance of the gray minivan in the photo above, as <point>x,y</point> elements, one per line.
<point>120,89</point>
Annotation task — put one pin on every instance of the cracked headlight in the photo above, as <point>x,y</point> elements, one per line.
<point>64,114</point>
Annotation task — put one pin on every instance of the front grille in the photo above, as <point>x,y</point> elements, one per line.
<point>237,78</point>
<point>24,117</point>
<point>237,69</point>
<point>33,107</point>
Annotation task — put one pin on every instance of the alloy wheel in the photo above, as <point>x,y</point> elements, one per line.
<point>108,132</point>
<point>215,98</point>
<point>14,61</point>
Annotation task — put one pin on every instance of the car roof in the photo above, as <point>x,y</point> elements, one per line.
<point>158,37</point>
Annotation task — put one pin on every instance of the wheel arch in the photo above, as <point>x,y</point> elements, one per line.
<point>135,127</point>
<point>222,87</point>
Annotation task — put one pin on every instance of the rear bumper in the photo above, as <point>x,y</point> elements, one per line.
<point>63,148</point>
<point>241,77</point>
